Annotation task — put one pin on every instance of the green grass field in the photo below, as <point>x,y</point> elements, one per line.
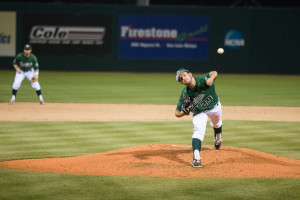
<point>21,140</point>
<point>152,88</point>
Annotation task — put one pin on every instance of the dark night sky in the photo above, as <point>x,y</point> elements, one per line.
<point>223,3</point>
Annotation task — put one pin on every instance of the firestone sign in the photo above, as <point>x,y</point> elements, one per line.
<point>163,37</point>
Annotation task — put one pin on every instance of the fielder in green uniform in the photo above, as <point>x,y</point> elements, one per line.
<point>26,65</point>
<point>205,105</point>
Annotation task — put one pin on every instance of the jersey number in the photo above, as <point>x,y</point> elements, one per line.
<point>206,101</point>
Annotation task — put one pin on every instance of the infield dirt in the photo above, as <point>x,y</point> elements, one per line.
<point>133,112</point>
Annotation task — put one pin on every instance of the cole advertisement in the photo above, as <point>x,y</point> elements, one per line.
<point>163,37</point>
<point>69,35</point>
<point>8,34</point>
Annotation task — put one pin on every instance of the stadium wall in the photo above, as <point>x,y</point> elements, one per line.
<point>152,39</point>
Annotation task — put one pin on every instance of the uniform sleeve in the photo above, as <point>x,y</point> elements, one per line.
<point>35,62</point>
<point>180,99</point>
<point>179,103</point>
<point>16,60</point>
<point>202,81</point>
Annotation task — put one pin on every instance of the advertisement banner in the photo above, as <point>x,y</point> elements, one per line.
<point>69,35</point>
<point>163,37</point>
<point>8,34</point>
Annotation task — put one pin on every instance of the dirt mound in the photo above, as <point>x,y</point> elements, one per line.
<point>167,160</point>
<point>154,160</point>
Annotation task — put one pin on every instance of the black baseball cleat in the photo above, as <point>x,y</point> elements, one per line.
<point>218,142</point>
<point>197,163</point>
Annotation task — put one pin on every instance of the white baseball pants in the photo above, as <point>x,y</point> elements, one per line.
<point>29,75</point>
<point>200,121</point>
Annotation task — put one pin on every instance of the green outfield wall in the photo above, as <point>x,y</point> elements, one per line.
<point>148,39</point>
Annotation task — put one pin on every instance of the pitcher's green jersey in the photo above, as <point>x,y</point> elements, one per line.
<point>202,93</point>
<point>26,64</point>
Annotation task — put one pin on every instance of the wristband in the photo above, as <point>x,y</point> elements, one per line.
<point>36,73</point>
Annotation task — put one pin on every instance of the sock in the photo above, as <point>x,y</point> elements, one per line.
<point>196,143</point>
<point>39,93</point>
<point>14,92</point>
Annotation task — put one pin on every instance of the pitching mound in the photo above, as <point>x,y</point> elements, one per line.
<point>167,160</point>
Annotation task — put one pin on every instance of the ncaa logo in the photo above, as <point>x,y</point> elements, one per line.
<point>234,39</point>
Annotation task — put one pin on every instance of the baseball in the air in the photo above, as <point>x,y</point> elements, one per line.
<point>220,50</point>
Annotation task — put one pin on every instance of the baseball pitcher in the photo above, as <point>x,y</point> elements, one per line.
<point>200,98</point>
<point>26,65</point>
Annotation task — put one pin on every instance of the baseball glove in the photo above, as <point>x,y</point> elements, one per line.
<point>186,102</point>
<point>34,79</point>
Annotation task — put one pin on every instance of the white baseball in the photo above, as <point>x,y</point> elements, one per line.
<point>220,50</point>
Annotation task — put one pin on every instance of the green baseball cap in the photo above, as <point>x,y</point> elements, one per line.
<point>27,47</point>
<point>179,72</point>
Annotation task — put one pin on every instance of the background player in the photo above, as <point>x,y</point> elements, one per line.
<point>26,65</point>
<point>206,105</point>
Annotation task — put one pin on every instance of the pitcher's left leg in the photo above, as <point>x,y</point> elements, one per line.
<point>199,123</point>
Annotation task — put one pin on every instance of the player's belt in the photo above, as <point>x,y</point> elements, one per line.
<point>212,107</point>
<point>196,113</point>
